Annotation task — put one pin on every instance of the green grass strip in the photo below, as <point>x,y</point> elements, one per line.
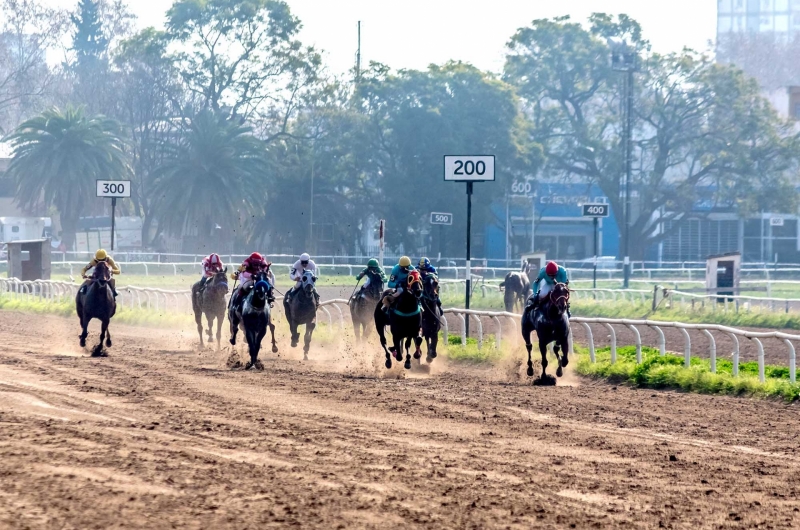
<point>669,372</point>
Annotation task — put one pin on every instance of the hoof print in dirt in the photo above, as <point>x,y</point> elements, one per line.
<point>547,380</point>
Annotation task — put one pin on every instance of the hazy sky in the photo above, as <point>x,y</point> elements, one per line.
<point>415,33</point>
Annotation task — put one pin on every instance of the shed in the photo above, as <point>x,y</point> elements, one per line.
<point>533,261</point>
<point>29,260</point>
<point>722,273</point>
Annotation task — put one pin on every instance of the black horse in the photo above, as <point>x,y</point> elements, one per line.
<point>404,320</point>
<point>516,288</point>
<point>361,305</point>
<point>301,308</point>
<point>96,300</point>
<point>252,314</point>
<point>431,314</point>
<point>551,323</point>
<point>211,302</point>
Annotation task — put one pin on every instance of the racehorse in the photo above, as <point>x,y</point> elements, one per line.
<point>404,320</point>
<point>97,302</point>
<point>516,288</point>
<point>211,302</point>
<point>431,315</point>
<point>361,308</point>
<point>301,308</point>
<point>551,323</point>
<point>252,314</point>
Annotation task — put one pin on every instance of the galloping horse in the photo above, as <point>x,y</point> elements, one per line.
<point>211,302</point>
<point>404,321</point>
<point>301,308</point>
<point>552,325</point>
<point>252,314</point>
<point>361,308</point>
<point>97,302</point>
<point>431,315</point>
<point>517,288</point>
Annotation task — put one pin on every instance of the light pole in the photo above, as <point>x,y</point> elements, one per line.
<point>624,59</point>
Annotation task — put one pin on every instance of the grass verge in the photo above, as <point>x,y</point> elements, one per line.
<point>669,372</point>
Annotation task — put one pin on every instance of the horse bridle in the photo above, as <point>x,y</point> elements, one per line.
<point>564,297</point>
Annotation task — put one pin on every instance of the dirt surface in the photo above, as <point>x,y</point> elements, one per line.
<point>161,435</point>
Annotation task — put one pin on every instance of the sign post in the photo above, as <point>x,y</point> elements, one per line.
<point>595,211</point>
<point>381,235</point>
<point>469,169</point>
<point>113,189</point>
<point>441,219</point>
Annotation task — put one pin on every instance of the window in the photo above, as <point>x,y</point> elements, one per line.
<point>797,110</point>
<point>15,229</point>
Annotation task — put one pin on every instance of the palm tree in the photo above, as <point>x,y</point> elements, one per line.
<point>213,174</point>
<point>58,156</point>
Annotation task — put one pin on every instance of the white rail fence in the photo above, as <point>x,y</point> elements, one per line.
<point>161,299</point>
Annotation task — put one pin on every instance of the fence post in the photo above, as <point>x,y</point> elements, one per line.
<point>613,343</point>
<point>638,343</point>
<point>760,359</point>
<point>712,351</point>
<point>687,353</point>
<point>589,335</point>
<point>662,341</point>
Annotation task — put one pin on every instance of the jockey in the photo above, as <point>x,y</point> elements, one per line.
<point>543,284</point>
<point>425,269</point>
<point>101,255</point>
<point>397,280</point>
<point>212,264</point>
<point>251,266</point>
<point>374,271</point>
<point>305,263</point>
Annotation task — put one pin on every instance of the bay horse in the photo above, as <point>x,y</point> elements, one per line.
<point>96,301</point>
<point>361,305</point>
<point>251,313</point>
<point>301,309</point>
<point>516,288</point>
<point>211,303</point>
<point>404,320</point>
<point>431,315</point>
<point>551,323</point>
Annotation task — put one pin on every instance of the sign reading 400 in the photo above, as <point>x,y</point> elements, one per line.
<point>114,188</point>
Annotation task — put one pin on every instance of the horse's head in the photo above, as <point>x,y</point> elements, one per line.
<point>559,297</point>
<point>308,280</point>
<point>219,281</point>
<point>101,272</point>
<point>414,284</point>
<point>260,289</point>
<point>431,286</point>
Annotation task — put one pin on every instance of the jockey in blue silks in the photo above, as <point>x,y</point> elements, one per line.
<point>398,280</point>
<point>549,275</point>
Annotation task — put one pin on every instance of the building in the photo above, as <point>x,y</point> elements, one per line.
<point>778,17</point>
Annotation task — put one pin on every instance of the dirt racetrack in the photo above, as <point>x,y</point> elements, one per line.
<point>161,435</point>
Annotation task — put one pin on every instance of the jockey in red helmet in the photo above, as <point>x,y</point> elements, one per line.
<point>212,264</point>
<point>251,266</point>
<point>543,284</point>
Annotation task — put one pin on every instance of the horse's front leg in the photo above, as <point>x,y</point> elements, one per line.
<point>272,332</point>
<point>407,364</point>
<point>210,331</point>
<point>108,337</point>
<point>219,331</point>
<point>307,338</point>
<point>84,331</point>
<point>543,351</point>
<point>417,352</point>
<point>198,318</point>
<point>526,335</point>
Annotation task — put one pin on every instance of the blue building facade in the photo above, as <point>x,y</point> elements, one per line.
<point>549,219</point>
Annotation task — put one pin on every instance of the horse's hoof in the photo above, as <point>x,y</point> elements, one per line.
<point>530,371</point>
<point>429,359</point>
<point>432,354</point>
<point>233,342</point>
<point>388,364</point>
<point>564,361</point>
<point>545,380</point>
<point>559,372</point>
<point>274,349</point>
<point>407,364</point>
<point>259,365</point>
<point>83,343</point>
<point>417,355</point>
<point>248,365</point>
<point>294,344</point>
<point>305,356</point>
<point>108,343</point>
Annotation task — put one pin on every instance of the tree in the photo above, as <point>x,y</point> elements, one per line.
<point>215,173</point>
<point>27,31</point>
<point>241,56</point>
<point>58,156</point>
<point>89,43</point>
<point>150,102</point>
<point>417,117</point>
<point>701,129</point>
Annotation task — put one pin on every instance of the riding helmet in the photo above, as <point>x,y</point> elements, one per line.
<point>405,261</point>
<point>373,264</point>
<point>255,256</point>
<point>304,257</point>
<point>551,269</point>
<point>100,255</point>
<point>214,258</point>
<point>424,263</point>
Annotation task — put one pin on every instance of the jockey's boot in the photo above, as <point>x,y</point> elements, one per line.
<point>202,287</point>
<point>113,285</point>
<point>271,298</point>
<point>387,303</point>
<point>316,298</point>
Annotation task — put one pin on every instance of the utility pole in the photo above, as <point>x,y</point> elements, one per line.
<point>623,59</point>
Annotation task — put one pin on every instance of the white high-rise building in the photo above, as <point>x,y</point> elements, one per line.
<point>780,17</point>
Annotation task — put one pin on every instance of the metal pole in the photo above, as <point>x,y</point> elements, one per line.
<point>628,161</point>
<point>594,267</point>
<point>508,228</point>
<point>469,237</point>
<point>358,54</point>
<point>113,212</point>
<point>311,212</point>
<point>381,237</point>
<point>533,224</point>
